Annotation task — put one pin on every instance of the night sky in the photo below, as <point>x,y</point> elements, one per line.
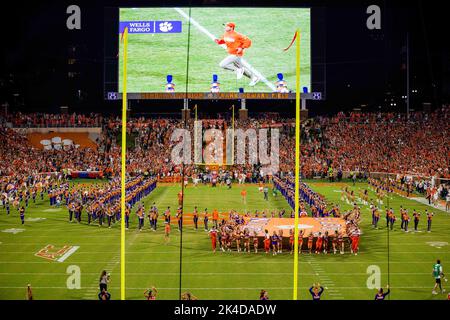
<point>354,66</point>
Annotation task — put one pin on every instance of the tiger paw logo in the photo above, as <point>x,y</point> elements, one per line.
<point>165,26</point>
<point>57,143</point>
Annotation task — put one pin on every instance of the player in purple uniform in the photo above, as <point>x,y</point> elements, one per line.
<point>22,214</point>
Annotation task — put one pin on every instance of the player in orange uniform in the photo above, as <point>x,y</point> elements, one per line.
<point>213,236</point>
<point>235,44</point>
<point>355,242</point>
<point>215,217</point>
<point>319,242</point>
<point>166,231</point>
<point>244,196</point>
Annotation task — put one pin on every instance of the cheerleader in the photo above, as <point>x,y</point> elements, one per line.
<point>300,241</point>
<point>255,242</point>
<point>150,294</point>
<point>229,239</point>
<point>263,295</point>
<point>224,239</point>
<point>29,292</point>
<point>246,240</point>
<point>325,242</point>
<point>310,242</point>
<point>335,241</point>
<point>316,291</point>
<point>274,240</point>
<point>280,241</point>
<point>219,236</point>
<point>237,237</point>
<point>381,295</point>
<point>319,242</point>
<point>266,241</point>
<point>291,240</point>
<point>340,242</point>
<point>105,278</point>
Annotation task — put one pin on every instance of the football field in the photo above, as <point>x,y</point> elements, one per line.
<point>405,260</point>
<point>151,57</point>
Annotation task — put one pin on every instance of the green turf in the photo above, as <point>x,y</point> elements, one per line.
<point>153,56</point>
<point>99,249</point>
<point>241,275</point>
<point>214,276</point>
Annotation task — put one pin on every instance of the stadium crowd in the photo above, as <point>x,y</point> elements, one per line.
<point>357,142</point>
<point>383,142</point>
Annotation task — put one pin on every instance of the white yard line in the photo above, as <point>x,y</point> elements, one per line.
<point>93,290</point>
<point>425,202</point>
<point>325,280</point>
<point>212,37</point>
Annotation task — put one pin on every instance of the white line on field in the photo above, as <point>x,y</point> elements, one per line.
<point>212,37</point>
<point>214,288</point>
<point>68,253</point>
<point>317,269</point>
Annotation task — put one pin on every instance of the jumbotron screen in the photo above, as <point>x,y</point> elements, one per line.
<point>228,50</point>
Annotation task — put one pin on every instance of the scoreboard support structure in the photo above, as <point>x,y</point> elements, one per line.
<point>185,112</point>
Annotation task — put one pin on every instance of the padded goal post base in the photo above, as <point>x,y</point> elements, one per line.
<point>243,114</point>
<point>303,115</point>
<point>185,114</point>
